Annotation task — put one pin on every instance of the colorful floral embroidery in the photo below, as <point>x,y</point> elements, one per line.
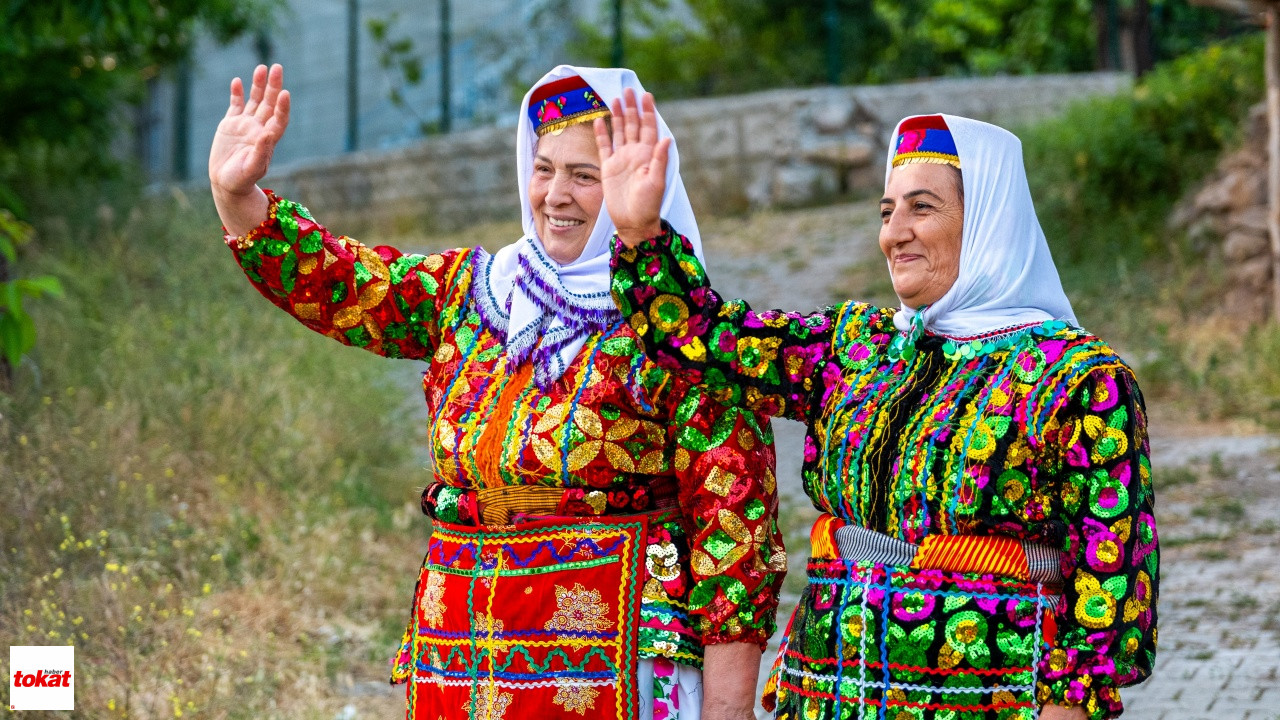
<point>1035,432</point>
<point>432,603</point>
<point>488,703</point>
<point>575,697</point>
<point>578,610</point>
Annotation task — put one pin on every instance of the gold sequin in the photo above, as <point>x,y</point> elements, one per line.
<point>589,421</point>
<point>348,317</point>
<point>720,481</point>
<point>307,311</point>
<point>620,459</point>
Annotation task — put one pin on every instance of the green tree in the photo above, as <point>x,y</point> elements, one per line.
<point>68,65</point>
<point>17,330</point>
<point>741,45</point>
<point>67,62</point>
<point>728,46</point>
<point>983,37</point>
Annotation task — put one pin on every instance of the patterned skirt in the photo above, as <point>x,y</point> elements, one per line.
<point>543,619</point>
<point>876,641</point>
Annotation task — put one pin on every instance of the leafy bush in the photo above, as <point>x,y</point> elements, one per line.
<point>1105,176</point>
<point>1107,171</point>
<point>17,329</point>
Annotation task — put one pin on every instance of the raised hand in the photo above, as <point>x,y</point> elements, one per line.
<point>633,168</point>
<point>248,133</point>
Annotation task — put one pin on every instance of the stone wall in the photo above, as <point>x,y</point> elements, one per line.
<point>1228,214</point>
<point>769,149</point>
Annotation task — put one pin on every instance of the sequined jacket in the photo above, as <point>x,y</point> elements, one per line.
<point>615,419</point>
<point>1038,433</point>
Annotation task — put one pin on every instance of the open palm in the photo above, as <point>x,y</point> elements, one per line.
<point>633,168</point>
<point>247,135</point>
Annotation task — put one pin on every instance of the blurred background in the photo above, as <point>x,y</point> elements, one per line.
<point>219,509</point>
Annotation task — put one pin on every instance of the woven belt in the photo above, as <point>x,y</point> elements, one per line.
<point>831,538</point>
<point>628,496</point>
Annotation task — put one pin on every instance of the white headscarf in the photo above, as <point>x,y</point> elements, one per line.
<point>1007,276</point>
<point>548,310</point>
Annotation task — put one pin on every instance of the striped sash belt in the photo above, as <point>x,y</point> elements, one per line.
<point>832,539</point>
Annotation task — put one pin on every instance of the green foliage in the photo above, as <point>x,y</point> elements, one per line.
<point>1107,171</point>
<point>68,63</point>
<point>734,46</point>
<point>17,329</point>
<point>400,63</point>
<point>67,66</point>
<point>740,45</point>
<point>983,37</point>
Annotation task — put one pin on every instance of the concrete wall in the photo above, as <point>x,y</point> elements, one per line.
<point>768,149</point>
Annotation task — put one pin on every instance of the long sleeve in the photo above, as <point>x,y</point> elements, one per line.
<point>374,298</point>
<point>1106,636</point>
<point>769,362</point>
<point>724,463</point>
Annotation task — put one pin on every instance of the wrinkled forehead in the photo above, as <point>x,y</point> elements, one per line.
<point>941,179</point>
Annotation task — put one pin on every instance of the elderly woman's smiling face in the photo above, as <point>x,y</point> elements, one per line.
<point>565,191</point>
<point>922,217</point>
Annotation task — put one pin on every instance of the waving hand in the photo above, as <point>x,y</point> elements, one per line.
<point>633,168</point>
<point>243,145</point>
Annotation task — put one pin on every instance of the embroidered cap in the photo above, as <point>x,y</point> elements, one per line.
<point>557,105</point>
<point>925,139</point>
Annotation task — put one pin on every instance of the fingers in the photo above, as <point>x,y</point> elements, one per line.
<point>257,90</point>
<point>631,131</point>
<point>603,143</point>
<point>648,121</point>
<point>275,82</point>
<point>237,98</point>
<point>658,163</point>
<point>279,120</point>
<point>619,122</point>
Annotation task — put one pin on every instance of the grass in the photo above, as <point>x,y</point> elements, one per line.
<point>212,503</point>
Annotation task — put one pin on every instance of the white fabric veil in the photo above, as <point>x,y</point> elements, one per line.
<point>547,310</point>
<point>1007,276</point>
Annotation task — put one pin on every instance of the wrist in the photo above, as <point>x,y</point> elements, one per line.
<point>632,237</point>
<point>225,193</point>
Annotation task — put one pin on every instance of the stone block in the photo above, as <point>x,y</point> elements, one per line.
<point>1242,245</point>
<point>1251,219</point>
<point>715,140</point>
<point>847,151</point>
<point>1252,274</point>
<point>1214,197</point>
<point>773,132</point>
<point>834,115</point>
<point>801,183</point>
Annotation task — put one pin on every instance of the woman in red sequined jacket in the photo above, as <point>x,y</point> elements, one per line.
<point>602,529</point>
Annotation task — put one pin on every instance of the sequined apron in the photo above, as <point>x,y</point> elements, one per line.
<point>545,615</point>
